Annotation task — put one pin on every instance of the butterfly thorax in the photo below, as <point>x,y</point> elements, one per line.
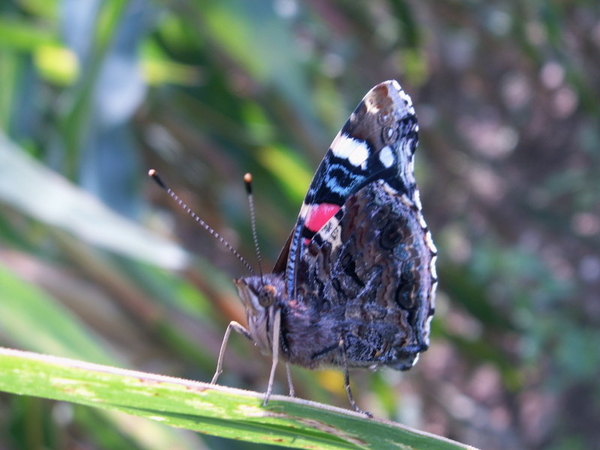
<point>307,338</point>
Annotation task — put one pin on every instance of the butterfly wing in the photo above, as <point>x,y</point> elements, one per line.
<point>369,274</point>
<point>360,250</point>
<point>377,142</point>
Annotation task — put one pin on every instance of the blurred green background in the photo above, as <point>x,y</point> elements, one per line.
<point>98,264</point>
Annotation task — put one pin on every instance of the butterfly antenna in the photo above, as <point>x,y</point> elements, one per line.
<point>248,183</point>
<point>154,175</point>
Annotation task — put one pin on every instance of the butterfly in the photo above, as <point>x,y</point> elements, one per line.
<point>354,285</point>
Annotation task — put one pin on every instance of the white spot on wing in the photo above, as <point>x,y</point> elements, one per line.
<point>432,267</point>
<point>430,243</point>
<point>331,232</point>
<point>386,156</point>
<point>427,327</point>
<point>354,150</point>
<point>417,199</point>
<point>432,297</point>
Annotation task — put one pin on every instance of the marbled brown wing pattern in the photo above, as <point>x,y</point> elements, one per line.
<point>365,279</point>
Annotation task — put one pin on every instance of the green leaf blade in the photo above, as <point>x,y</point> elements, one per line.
<point>206,408</point>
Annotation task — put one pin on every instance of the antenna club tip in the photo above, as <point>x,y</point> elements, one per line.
<point>248,182</point>
<point>154,175</point>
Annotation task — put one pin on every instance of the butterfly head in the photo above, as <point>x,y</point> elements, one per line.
<point>260,297</point>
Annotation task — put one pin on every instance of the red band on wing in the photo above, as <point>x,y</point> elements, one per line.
<point>318,215</point>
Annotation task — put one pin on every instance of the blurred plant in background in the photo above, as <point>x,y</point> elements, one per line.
<point>94,93</point>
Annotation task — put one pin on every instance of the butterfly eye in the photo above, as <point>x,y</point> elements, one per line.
<point>266,296</point>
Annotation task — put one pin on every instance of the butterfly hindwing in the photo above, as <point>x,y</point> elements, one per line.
<point>369,270</point>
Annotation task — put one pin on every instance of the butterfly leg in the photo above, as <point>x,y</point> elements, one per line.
<point>347,382</point>
<point>275,344</point>
<point>288,373</point>
<point>239,329</point>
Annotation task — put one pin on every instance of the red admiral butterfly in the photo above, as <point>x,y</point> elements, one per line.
<point>354,285</point>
